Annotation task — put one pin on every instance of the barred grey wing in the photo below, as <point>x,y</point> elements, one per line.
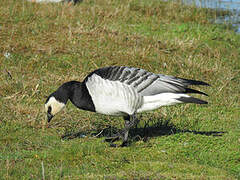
<point>147,83</point>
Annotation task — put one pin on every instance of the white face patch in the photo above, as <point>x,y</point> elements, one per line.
<point>55,105</point>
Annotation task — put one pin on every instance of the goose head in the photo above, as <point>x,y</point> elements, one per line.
<point>53,106</point>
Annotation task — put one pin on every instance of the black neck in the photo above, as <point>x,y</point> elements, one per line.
<point>78,94</point>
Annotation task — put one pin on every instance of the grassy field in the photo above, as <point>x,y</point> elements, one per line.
<point>45,45</point>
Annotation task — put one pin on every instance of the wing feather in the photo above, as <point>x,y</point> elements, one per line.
<point>147,83</point>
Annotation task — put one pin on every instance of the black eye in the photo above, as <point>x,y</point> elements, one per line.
<point>49,110</point>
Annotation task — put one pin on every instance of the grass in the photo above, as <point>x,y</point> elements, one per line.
<point>44,45</point>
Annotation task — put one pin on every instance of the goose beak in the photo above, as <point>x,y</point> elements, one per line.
<point>49,117</point>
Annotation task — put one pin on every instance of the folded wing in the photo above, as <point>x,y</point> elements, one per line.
<point>147,83</point>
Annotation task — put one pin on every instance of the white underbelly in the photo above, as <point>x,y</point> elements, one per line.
<point>158,100</point>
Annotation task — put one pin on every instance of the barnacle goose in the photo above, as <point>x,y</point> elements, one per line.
<point>123,91</point>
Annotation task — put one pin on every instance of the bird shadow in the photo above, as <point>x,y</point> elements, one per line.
<point>148,130</point>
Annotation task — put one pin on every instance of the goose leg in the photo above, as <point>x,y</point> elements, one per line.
<point>120,134</point>
<point>128,125</point>
<point>130,121</point>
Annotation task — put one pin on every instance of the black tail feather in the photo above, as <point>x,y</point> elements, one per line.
<point>192,100</point>
<point>195,82</point>
<point>189,90</point>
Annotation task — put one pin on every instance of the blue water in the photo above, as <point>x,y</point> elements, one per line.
<point>231,5</point>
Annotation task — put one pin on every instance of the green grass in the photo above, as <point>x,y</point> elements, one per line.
<point>50,44</point>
